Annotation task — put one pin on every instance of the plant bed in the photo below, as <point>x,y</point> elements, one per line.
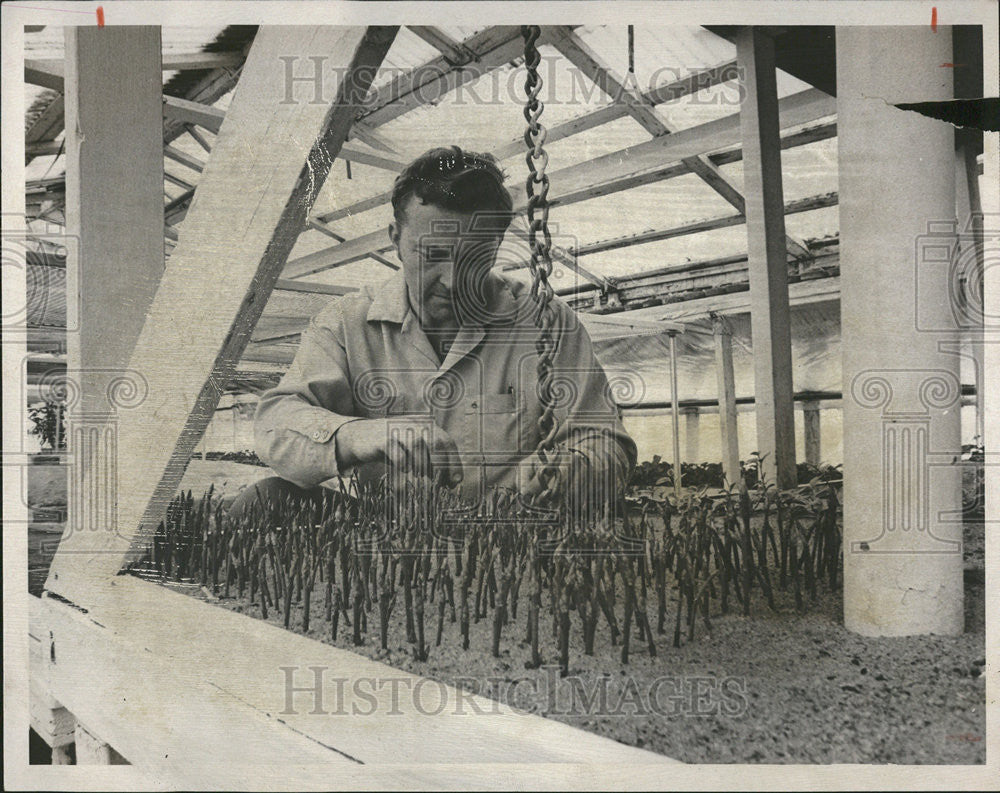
<point>784,683</point>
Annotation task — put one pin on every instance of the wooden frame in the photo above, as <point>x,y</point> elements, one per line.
<point>280,153</point>
<point>128,632</point>
<point>638,164</point>
<point>770,316</point>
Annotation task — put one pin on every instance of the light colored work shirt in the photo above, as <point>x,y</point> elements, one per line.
<point>366,356</point>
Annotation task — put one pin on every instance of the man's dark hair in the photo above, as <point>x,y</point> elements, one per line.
<point>450,178</point>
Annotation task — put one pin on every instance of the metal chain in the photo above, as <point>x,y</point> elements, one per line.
<point>631,49</point>
<point>537,188</point>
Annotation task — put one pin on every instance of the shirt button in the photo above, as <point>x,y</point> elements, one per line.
<point>475,405</point>
<point>317,435</point>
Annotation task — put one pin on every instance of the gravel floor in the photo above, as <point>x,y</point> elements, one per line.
<point>773,688</point>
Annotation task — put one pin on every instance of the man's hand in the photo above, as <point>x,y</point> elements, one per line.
<point>420,450</point>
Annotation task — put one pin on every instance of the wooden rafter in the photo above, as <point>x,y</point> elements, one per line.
<point>583,57</point>
<point>187,186</point>
<point>373,138</point>
<point>453,50</point>
<point>49,123</point>
<point>183,158</point>
<point>325,229</point>
<point>621,170</point>
<point>288,285</point>
<point>665,93</point>
<point>430,81</point>
<point>198,137</point>
<point>709,224</point>
<point>189,112</point>
<point>48,72</point>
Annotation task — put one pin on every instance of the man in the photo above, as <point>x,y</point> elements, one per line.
<point>433,372</point>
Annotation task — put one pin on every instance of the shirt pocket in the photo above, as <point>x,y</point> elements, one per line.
<point>492,426</point>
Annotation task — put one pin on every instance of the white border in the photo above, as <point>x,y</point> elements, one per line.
<point>18,775</point>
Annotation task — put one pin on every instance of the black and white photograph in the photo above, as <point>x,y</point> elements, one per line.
<point>515,395</point>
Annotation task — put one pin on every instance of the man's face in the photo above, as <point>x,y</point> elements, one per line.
<point>446,260</point>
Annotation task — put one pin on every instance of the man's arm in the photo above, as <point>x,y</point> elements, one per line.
<point>307,431</point>
<point>297,422</point>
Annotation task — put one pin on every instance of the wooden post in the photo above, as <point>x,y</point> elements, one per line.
<point>767,259</point>
<point>91,750</point>
<point>902,489</point>
<point>811,427</point>
<point>114,221</point>
<point>969,212</point>
<point>675,414</point>
<point>269,162</point>
<point>692,451</point>
<point>727,400</point>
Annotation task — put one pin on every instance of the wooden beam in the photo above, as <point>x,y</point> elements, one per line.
<point>49,123</point>
<point>184,158</point>
<point>207,91</point>
<point>642,163</point>
<point>655,235</point>
<point>373,138</point>
<point>275,156</point>
<point>803,137</point>
<point>430,81</point>
<point>584,180</point>
<point>580,54</point>
<point>114,209</point>
<point>171,62</point>
<point>260,726</point>
<point>190,61</point>
<point>592,65</point>
<point>44,149</point>
<point>190,112</point>
<point>192,130</point>
<point>177,181</point>
<point>287,285</point>
<point>567,259</point>
<point>352,154</point>
<point>766,252</point>
<point>322,228</point>
<point>727,400</point>
<point>44,72</point>
<point>819,290</point>
<point>666,93</point>
<point>445,44</point>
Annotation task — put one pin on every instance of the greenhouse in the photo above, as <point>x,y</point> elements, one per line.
<point>787,311</point>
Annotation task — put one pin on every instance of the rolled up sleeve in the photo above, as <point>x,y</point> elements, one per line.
<point>296,422</point>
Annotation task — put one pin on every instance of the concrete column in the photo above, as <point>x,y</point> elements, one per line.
<point>810,417</point>
<point>902,492</point>
<point>767,258</point>
<point>727,400</point>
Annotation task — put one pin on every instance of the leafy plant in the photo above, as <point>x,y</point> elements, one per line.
<point>48,423</point>
<point>369,554</point>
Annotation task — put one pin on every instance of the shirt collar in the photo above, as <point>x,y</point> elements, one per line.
<point>391,304</point>
<point>389,301</point>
